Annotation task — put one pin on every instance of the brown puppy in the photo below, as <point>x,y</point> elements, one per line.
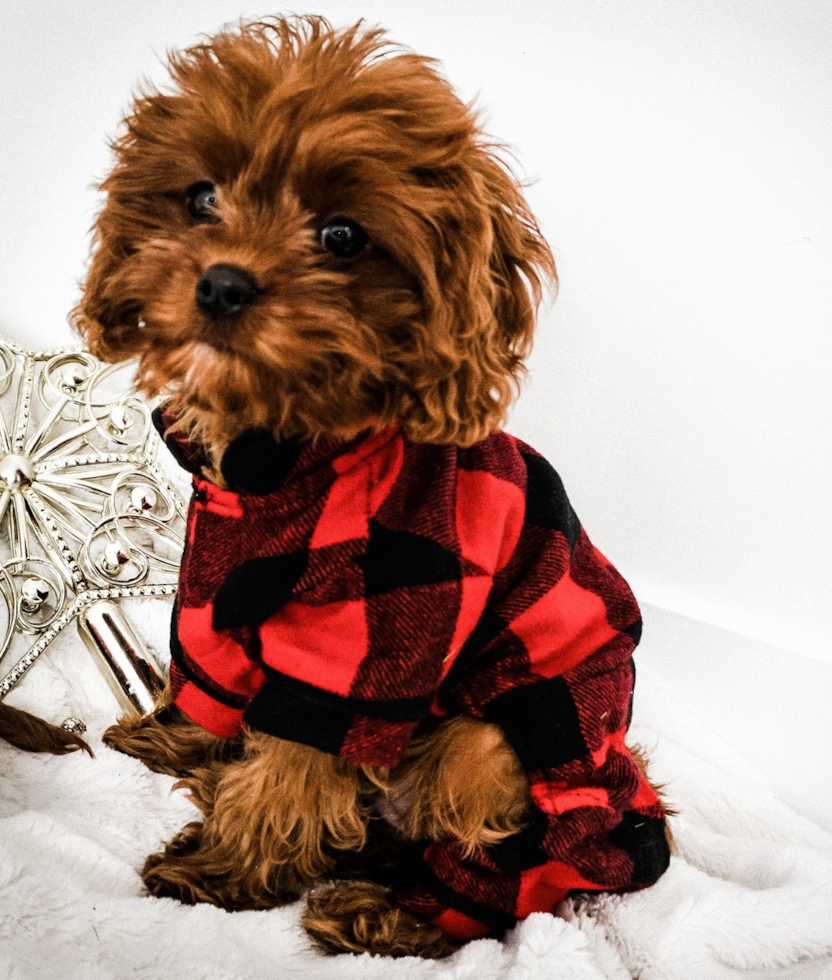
<point>309,236</point>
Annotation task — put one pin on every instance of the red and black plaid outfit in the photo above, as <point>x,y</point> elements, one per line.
<point>338,594</point>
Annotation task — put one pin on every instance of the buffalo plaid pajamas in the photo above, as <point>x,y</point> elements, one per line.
<point>337,595</point>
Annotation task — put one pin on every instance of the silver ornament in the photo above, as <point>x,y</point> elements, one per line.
<point>86,514</point>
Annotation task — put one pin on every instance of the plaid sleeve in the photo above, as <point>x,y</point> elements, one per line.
<point>550,662</point>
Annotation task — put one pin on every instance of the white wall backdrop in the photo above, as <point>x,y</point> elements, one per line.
<point>682,158</point>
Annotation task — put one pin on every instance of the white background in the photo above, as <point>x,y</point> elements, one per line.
<point>682,159</point>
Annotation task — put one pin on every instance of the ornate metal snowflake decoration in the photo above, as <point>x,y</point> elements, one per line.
<point>86,515</point>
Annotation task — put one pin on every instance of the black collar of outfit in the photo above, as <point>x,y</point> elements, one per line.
<point>256,462</point>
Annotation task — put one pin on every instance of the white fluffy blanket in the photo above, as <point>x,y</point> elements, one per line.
<point>748,894</point>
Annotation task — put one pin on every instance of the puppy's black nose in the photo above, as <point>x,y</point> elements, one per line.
<point>224,290</point>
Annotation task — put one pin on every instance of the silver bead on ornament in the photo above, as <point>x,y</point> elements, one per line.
<point>114,556</point>
<point>73,378</point>
<point>34,593</point>
<point>142,499</point>
<point>16,471</point>
<point>120,420</point>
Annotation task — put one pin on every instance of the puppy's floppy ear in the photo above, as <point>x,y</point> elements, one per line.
<point>145,154</point>
<point>92,316</point>
<point>491,268</point>
<point>100,318</point>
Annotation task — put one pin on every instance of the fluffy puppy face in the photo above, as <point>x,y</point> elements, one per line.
<point>309,233</point>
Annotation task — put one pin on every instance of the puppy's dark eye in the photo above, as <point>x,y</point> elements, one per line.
<point>203,202</point>
<point>344,238</point>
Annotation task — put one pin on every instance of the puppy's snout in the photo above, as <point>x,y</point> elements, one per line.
<point>224,290</point>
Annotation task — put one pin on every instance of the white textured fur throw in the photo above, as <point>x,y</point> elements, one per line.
<point>749,893</point>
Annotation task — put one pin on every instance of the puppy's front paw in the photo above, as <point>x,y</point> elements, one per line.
<point>167,744</point>
<point>169,874</point>
<point>144,739</point>
<point>191,870</point>
<point>356,917</point>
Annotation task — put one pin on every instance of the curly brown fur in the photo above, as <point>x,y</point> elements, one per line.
<point>200,786</point>
<point>26,731</point>
<point>460,781</point>
<point>277,817</point>
<point>285,816</point>
<point>167,742</point>
<point>349,918</point>
<point>428,327</point>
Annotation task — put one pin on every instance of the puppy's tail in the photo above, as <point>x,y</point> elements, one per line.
<point>32,734</point>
